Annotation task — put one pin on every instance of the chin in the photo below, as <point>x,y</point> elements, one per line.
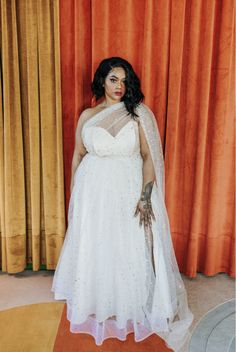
<point>118,98</point>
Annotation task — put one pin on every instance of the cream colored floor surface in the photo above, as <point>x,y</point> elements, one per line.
<point>29,287</point>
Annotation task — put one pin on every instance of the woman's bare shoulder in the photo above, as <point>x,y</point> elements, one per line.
<point>90,112</point>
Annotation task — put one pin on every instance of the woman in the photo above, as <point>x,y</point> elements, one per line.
<point>117,268</point>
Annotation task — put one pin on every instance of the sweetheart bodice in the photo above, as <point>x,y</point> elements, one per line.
<point>99,141</point>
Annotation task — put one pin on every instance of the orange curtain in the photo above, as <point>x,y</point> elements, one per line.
<point>183,52</point>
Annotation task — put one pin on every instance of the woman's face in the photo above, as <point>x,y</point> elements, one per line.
<point>114,84</point>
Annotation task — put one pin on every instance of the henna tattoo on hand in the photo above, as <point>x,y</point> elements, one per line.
<point>146,193</point>
<point>145,207</point>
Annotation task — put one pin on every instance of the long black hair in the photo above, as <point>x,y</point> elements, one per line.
<point>133,95</point>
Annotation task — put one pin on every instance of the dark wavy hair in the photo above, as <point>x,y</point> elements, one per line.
<point>133,95</point>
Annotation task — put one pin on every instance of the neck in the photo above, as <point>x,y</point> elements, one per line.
<point>108,102</point>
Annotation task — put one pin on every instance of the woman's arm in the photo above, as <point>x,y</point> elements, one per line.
<point>144,205</point>
<point>80,150</point>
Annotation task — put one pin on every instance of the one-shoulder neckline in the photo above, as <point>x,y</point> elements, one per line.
<point>112,107</point>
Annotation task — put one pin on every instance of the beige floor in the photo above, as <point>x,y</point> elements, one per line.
<point>29,287</point>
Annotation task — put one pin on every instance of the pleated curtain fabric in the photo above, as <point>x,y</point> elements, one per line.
<point>32,208</point>
<point>183,52</point>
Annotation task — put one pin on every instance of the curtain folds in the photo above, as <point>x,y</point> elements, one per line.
<point>32,209</point>
<point>76,61</point>
<point>183,52</point>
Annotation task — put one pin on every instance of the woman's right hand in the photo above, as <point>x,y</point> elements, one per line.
<point>146,213</point>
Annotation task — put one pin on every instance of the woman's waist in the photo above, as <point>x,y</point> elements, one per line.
<point>134,156</point>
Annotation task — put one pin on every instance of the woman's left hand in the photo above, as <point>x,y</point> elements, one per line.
<point>146,213</point>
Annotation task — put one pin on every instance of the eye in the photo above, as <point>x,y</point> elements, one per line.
<point>112,80</point>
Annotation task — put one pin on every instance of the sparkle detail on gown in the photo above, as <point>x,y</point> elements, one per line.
<point>105,271</point>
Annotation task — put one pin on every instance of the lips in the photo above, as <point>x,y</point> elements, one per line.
<point>118,93</point>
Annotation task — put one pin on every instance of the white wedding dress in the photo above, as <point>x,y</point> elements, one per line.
<point>105,271</point>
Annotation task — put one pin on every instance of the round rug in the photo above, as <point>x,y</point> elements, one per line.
<point>30,328</point>
<point>215,331</point>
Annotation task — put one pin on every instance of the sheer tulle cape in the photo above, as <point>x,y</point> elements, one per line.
<point>180,317</point>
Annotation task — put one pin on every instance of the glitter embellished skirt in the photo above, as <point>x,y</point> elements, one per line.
<point>105,271</point>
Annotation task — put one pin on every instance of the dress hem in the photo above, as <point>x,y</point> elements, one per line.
<point>113,337</point>
<point>87,326</point>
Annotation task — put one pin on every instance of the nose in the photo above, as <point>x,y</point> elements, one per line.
<point>119,85</point>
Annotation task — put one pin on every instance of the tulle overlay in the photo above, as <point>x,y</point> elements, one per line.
<point>115,277</point>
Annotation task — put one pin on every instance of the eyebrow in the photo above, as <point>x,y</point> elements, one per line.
<point>116,77</point>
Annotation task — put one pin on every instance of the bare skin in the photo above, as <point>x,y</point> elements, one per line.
<point>144,206</point>
<point>115,82</point>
